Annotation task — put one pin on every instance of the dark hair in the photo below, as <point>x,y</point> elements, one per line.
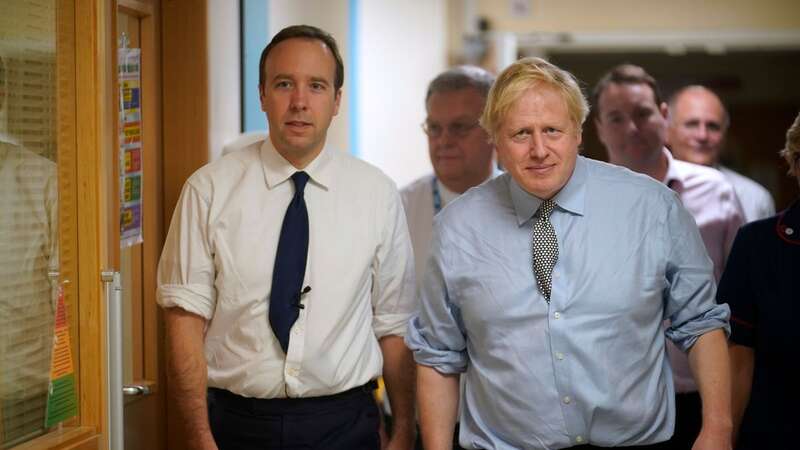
<point>625,74</point>
<point>304,32</point>
<point>461,77</point>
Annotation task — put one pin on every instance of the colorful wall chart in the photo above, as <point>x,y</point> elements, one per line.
<point>62,403</point>
<point>130,141</point>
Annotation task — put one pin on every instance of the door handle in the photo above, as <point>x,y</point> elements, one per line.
<point>115,403</point>
<point>136,389</point>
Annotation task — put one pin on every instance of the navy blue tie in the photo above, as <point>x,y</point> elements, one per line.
<point>290,265</point>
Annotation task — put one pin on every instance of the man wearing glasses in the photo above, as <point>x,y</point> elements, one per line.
<point>460,151</point>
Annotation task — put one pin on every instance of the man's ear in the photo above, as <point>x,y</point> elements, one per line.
<point>262,98</point>
<point>337,99</point>
<point>664,109</point>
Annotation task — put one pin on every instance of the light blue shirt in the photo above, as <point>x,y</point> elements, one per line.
<point>590,366</point>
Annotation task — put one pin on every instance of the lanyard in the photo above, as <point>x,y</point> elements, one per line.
<point>437,198</point>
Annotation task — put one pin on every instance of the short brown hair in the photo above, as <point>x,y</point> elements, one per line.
<point>304,32</point>
<point>792,150</point>
<point>527,73</point>
<point>625,74</point>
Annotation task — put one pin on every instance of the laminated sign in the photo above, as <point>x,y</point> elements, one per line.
<point>130,146</point>
<point>61,401</point>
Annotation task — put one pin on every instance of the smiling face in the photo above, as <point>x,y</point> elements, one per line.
<point>459,148</point>
<point>537,141</point>
<point>299,98</point>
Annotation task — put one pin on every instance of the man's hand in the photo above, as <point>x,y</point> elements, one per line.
<point>713,439</point>
<point>399,375</point>
<point>710,365</point>
<point>187,375</point>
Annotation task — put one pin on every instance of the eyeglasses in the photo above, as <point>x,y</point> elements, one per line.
<point>457,129</point>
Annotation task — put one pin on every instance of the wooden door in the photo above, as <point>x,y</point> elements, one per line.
<point>144,421</point>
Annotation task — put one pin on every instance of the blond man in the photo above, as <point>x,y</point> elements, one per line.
<point>547,286</point>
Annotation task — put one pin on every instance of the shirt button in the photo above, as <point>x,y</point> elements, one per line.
<point>297,330</point>
<point>292,371</point>
<point>557,315</point>
<point>567,400</point>
<point>579,439</point>
<point>559,356</point>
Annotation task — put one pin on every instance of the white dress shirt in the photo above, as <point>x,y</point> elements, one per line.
<point>418,203</point>
<point>756,201</point>
<point>711,200</point>
<point>220,252</point>
<point>28,251</point>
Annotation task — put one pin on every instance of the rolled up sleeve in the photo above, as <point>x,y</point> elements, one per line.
<point>393,299</point>
<point>690,295</point>
<point>186,271</point>
<point>436,333</point>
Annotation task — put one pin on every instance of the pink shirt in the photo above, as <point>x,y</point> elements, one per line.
<point>711,200</point>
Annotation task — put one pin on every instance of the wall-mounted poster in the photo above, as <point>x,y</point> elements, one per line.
<point>62,402</point>
<point>130,141</point>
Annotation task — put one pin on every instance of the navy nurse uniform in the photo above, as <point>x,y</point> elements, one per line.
<point>761,284</point>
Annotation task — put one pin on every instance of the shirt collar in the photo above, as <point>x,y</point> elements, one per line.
<point>277,169</point>
<point>448,196</point>
<point>445,194</point>
<point>570,198</point>
<point>675,176</point>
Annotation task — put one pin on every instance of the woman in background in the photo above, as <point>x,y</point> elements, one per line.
<point>762,287</point>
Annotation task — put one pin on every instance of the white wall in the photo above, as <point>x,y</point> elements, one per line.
<point>224,105</point>
<point>331,16</point>
<point>401,46</point>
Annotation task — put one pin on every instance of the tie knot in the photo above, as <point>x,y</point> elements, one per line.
<point>546,208</point>
<point>300,179</point>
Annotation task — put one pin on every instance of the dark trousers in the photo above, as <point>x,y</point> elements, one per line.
<point>688,421</point>
<point>659,446</point>
<point>345,421</point>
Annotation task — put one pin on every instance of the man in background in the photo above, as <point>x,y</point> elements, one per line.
<point>698,122</point>
<point>29,253</point>
<point>461,154</point>
<point>631,121</point>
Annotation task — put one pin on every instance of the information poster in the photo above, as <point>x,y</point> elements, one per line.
<point>62,403</point>
<point>130,139</point>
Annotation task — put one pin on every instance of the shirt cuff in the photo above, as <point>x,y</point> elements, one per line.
<point>390,324</point>
<point>685,335</point>
<point>194,298</point>
<point>443,360</point>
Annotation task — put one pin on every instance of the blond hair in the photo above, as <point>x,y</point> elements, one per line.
<point>792,150</point>
<point>525,74</point>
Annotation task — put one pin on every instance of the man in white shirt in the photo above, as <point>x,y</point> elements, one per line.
<point>28,271</point>
<point>697,126</point>
<point>461,154</point>
<point>287,278</point>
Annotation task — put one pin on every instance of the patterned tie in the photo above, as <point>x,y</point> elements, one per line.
<point>290,264</point>
<point>545,248</point>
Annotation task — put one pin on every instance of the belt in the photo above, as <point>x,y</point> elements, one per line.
<point>228,399</point>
